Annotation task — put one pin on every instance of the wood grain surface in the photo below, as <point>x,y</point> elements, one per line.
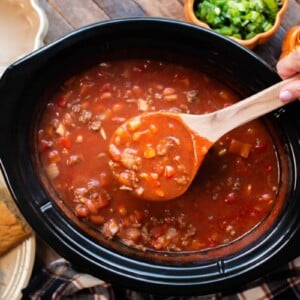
<point>67,15</point>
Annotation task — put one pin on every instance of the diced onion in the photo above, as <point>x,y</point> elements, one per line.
<point>52,170</point>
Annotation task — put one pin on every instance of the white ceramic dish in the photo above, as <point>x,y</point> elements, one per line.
<point>23,26</point>
<point>15,270</point>
<point>16,265</point>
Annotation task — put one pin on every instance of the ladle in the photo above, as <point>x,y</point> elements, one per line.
<point>156,155</point>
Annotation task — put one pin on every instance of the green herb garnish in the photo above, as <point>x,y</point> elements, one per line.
<point>242,19</point>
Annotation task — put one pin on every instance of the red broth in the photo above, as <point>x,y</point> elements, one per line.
<point>235,190</point>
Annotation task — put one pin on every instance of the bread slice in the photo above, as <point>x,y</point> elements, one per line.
<point>13,227</point>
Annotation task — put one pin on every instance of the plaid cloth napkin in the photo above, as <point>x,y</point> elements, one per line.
<point>60,281</point>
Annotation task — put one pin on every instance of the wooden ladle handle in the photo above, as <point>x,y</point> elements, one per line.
<point>214,125</point>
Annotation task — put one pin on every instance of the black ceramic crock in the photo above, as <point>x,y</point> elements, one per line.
<point>25,87</point>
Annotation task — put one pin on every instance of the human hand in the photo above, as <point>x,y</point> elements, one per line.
<point>287,67</point>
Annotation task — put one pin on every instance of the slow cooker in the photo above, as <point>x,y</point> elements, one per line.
<point>26,86</point>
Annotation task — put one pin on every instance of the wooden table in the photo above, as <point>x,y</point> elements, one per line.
<point>66,15</point>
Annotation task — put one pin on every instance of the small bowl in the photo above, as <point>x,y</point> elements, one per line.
<point>260,38</point>
<point>23,26</point>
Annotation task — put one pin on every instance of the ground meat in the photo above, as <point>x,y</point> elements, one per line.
<point>192,95</point>
<point>85,116</point>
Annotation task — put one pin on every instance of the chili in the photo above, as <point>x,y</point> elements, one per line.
<point>236,188</point>
<point>155,156</point>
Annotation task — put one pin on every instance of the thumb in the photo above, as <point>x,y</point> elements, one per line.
<point>290,91</point>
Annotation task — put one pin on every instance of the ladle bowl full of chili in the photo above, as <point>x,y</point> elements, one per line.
<point>156,155</point>
<point>56,126</point>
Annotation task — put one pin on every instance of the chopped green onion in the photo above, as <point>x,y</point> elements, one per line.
<point>240,18</point>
